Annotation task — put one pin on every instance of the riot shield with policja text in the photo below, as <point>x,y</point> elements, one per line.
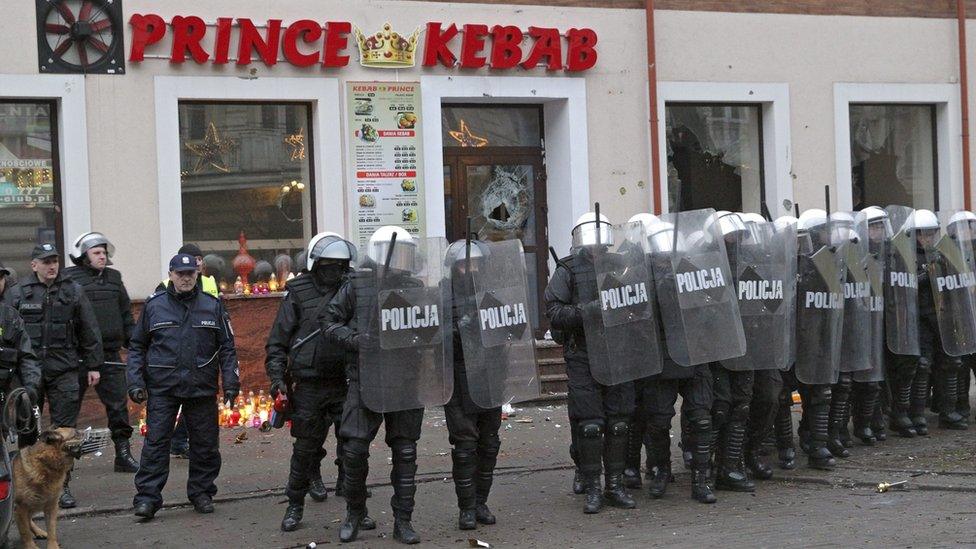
<point>951,273</point>
<point>901,284</point>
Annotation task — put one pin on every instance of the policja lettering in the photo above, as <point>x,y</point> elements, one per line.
<point>750,290</point>
<point>410,318</point>
<point>903,280</point>
<point>823,300</point>
<point>704,279</point>
<point>623,296</point>
<point>856,289</point>
<point>502,316</point>
<point>955,282</point>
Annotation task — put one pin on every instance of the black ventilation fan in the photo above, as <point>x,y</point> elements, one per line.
<point>80,36</point>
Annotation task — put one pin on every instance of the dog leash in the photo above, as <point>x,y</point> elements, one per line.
<point>26,418</point>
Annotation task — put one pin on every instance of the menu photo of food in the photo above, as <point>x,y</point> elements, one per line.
<point>368,133</point>
<point>406,120</point>
<point>408,185</point>
<point>367,201</point>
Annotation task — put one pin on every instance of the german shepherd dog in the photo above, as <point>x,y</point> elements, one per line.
<point>39,473</point>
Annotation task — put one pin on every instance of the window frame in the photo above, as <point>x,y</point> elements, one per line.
<point>762,143</point>
<point>948,130</point>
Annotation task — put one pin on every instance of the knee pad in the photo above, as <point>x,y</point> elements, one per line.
<point>924,364</point>
<point>701,424</point>
<point>490,441</point>
<point>355,449</point>
<point>591,430</point>
<point>950,364</point>
<point>720,414</point>
<point>844,381</point>
<point>405,453</point>
<point>466,446</point>
<point>619,429</point>
<point>740,412</point>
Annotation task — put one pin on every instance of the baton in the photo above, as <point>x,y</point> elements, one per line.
<point>306,339</point>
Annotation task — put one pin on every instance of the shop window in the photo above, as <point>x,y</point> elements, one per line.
<point>29,185</point>
<point>893,155</point>
<point>247,174</point>
<point>491,126</point>
<point>714,156</point>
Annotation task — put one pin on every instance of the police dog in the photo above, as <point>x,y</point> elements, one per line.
<point>39,473</point>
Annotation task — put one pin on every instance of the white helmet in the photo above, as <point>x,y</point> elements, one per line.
<point>785,220</point>
<point>661,237</point>
<point>728,222</point>
<point>960,217</point>
<point>874,214</point>
<point>644,219</point>
<point>752,217</point>
<point>811,219</point>
<point>458,251</point>
<point>328,245</point>
<point>88,241</point>
<point>590,232</point>
<point>404,256</point>
<point>923,220</point>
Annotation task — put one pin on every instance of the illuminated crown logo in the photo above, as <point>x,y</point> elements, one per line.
<point>387,48</point>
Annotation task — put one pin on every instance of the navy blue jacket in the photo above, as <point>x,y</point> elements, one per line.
<point>180,345</point>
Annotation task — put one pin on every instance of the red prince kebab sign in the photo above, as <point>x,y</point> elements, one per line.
<point>305,43</point>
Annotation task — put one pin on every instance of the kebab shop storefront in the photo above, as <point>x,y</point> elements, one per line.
<point>266,130</point>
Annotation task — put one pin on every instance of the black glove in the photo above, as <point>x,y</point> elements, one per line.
<point>230,397</point>
<point>278,386</point>
<point>138,395</point>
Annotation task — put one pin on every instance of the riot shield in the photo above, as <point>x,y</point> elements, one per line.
<point>620,322</point>
<point>950,263</point>
<point>819,315</point>
<point>851,236</point>
<point>901,284</point>
<point>879,235</point>
<point>702,323</point>
<point>405,352</point>
<point>493,323</point>
<point>765,267</point>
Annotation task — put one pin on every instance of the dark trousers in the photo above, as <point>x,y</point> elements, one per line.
<point>474,436</point>
<point>315,410</point>
<point>589,400</point>
<point>63,395</point>
<point>200,416</point>
<point>357,430</point>
<point>658,398</point>
<point>762,412</point>
<point>181,439</point>
<point>732,395</point>
<point>111,390</point>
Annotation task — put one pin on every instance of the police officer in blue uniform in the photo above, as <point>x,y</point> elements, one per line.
<point>180,347</point>
<point>64,335</point>
<point>104,288</point>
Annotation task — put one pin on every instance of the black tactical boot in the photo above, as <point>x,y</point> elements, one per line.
<point>293,516</point>
<point>864,413</point>
<point>902,397</point>
<point>659,460</point>
<point>731,474</point>
<point>839,401</point>
<point>756,466</point>
<point>920,393</point>
<point>487,458</point>
<point>124,463</point>
<point>783,432</point>
<point>962,392</point>
<point>465,464</point>
<point>349,529</point>
<point>614,460</point>
<point>701,490</point>
<point>316,489</point>
<point>819,457</point>
<point>67,500</point>
<point>404,533</point>
<point>594,494</point>
<point>949,418</point>
<point>635,441</point>
<point>578,487</point>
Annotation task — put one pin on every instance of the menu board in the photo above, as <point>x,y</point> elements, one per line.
<point>385,158</point>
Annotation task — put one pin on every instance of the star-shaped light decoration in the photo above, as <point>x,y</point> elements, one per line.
<point>297,142</point>
<point>210,152</point>
<point>466,138</point>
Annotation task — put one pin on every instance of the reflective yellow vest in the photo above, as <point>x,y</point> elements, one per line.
<point>207,283</point>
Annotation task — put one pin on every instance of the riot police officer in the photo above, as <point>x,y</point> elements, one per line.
<point>17,359</point>
<point>309,369</point>
<point>180,346</point>
<point>381,390</point>
<point>104,288</point>
<point>64,335</point>
<point>598,413</point>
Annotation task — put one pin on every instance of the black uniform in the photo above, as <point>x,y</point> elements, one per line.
<point>17,359</point>
<point>180,346</point>
<point>112,307</point>
<point>316,371</point>
<point>65,337</point>
<point>766,389</point>
<point>359,425</point>
<point>473,430</point>
<point>901,370</point>
<point>599,414</point>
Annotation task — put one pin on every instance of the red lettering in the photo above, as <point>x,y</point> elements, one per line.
<point>146,30</point>
<point>580,54</point>
<point>187,33</point>
<point>309,32</point>
<point>336,41</point>
<point>472,44</point>
<point>547,45</point>
<point>435,48</point>
<point>222,43</point>
<point>249,38</point>
<point>506,47</point>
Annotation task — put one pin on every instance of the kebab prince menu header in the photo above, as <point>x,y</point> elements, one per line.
<point>385,158</point>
